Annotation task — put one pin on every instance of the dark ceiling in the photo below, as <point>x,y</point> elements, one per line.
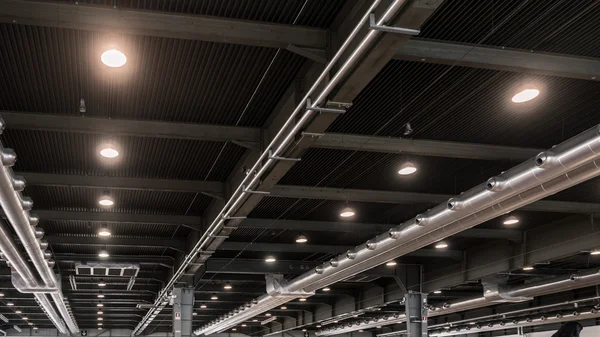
<point>48,70</point>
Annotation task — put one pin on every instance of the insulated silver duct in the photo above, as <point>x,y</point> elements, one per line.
<point>20,267</point>
<point>16,208</point>
<point>566,165</point>
<point>508,294</point>
<point>517,323</point>
<point>284,137</point>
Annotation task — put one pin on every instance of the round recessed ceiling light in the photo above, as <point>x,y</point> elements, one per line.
<point>302,300</point>
<point>270,259</point>
<point>10,304</point>
<point>109,151</point>
<point>234,329</point>
<point>100,295</point>
<point>437,292</point>
<point>406,169</point>
<point>254,320</point>
<point>106,201</point>
<point>202,306</point>
<point>194,313</point>
<point>301,239</point>
<point>104,231</point>
<point>100,305</point>
<point>511,220</point>
<point>25,318</point>
<point>100,312</point>
<point>268,314</point>
<point>1,294</point>
<point>18,311</point>
<point>441,245</point>
<point>283,308</point>
<point>525,95</point>
<point>528,268</point>
<point>113,58</point>
<point>244,325</point>
<point>214,297</point>
<point>35,328</point>
<point>100,318</point>
<point>595,252</point>
<point>303,330</point>
<point>326,289</point>
<point>227,286</point>
<point>391,263</point>
<point>101,284</point>
<point>347,212</point>
<point>103,253</point>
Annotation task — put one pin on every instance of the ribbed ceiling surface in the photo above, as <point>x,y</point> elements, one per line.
<point>558,26</point>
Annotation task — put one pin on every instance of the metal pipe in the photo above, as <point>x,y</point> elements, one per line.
<point>16,208</point>
<point>281,141</point>
<point>557,284</point>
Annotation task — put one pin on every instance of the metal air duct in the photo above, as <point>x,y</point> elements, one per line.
<point>16,208</point>
<point>510,190</point>
<point>504,294</point>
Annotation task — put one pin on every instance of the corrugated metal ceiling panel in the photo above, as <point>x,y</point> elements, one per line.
<point>88,229</point>
<point>316,13</point>
<point>76,153</point>
<point>560,26</point>
<point>471,105</point>
<point>164,79</point>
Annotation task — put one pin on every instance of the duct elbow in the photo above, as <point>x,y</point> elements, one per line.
<point>8,157</point>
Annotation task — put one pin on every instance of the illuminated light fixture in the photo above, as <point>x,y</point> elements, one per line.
<point>391,263</point>
<point>441,245</point>
<point>302,300</point>
<point>525,95</point>
<point>379,327</point>
<point>472,323</point>
<point>103,253</point>
<point>347,212</point>
<point>303,330</point>
<point>528,268</point>
<point>437,292</point>
<point>234,329</point>
<point>361,330</point>
<point>104,231</point>
<point>227,286</point>
<point>270,259</point>
<point>25,318</point>
<point>113,58</point>
<point>326,289</point>
<point>268,314</point>
<point>194,313</point>
<point>100,318</point>
<point>109,151</point>
<point>301,239</point>
<point>100,312</point>
<point>18,311</point>
<point>254,320</point>
<point>100,328</point>
<point>101,284</point>
<point>29,323</point>
<point>244,325</point>
<point>1,294</point>
<point>214,297</point>
<point>99,324</point>
<point>10,304</point>
<point>595,252</point>
<point>335,321</point>
<point>511,220</point>
<point>35,328</point>
<point>100,295</point>
<point>106,201</point>
<point>318,326</point>
<point>203,306</point>
<point>283,308</point>
<point>406,169</point>
<point>100,305</point>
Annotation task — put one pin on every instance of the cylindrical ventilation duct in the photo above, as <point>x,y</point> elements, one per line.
<point>557,284</point>
<point>16,208</point>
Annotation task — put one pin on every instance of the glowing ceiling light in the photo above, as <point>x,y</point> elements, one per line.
<point>347,212</point>
<point>283,308</point>
<point>113,58</point>
<point>391,263</point>
<point>101,284</point>
<point>528,268</point>
<point>100,318</point>
<point>214,297</point>
<point>194,313</point>
<point>104,231</point>
<point>595,252</point>
<point>100,305</point>
<point>100,312</point>
<point>326,289</point>
<point>318,326</point>
<point>18,312</point>
<point>203,306</point>
<point>109,151</point>
<point>301,239</point>
<point>302,300</point>
<point>234,329</point>
<point>406,169</point>
<point>303,330</point>
<point>103,253</point>
<point>35,328</point>
<point>270,259</point>
<point>100,295</point>
<point>437,292</point>
<point>227,286</point>
<point>525,95</point>
<point>106,201</point>
<point>25,318</point>
<point>511,220</point>
<point>441,245</point>
<point>244,325</point>
<point>1,294</point>
<point>10,304</point>
<point>268,314</point>
<point>254,320</point>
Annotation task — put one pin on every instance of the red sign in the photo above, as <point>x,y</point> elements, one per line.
<point>177,315</point>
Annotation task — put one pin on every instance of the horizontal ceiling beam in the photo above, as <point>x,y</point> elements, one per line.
<point>330,249</point>
<point>554,241</point>
<point>162,24</point>
<point>175,244</point>
<point>348,227</point>
<point>394,197</point>
<point>496,58</point>
<point>145,259</point>
<point>190,221</point>
<point>215,188</point>
<point>432,148</point>
<point>123,127</point>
